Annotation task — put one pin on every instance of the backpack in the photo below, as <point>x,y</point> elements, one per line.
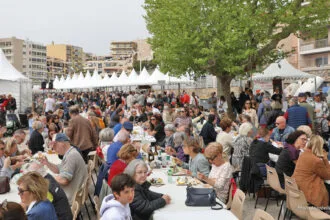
<point>267,111</point>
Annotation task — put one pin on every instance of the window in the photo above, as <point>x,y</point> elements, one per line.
<point>321,61</point>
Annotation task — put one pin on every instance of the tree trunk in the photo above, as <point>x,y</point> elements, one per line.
<point>223,88</point>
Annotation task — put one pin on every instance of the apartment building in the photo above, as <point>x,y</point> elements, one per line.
<point>71,55</point>
<point>35,61</point>
<point>144,51</point>
<point>13,50</point>
<point>105,64</point>
<point>27,57</point>
<point>55,67</point>
<point>123,49</point>
<point>314,55</point>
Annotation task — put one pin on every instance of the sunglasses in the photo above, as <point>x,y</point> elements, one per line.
<point>21,191</point>
<point>211,159</point>
<point>152,119</point>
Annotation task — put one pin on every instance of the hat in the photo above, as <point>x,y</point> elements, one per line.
<point>128,125</point>
<point>301,94</point>
<point>317,94</point>
<point>60,137</point>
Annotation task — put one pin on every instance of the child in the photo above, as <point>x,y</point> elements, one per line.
<point>116,206</point>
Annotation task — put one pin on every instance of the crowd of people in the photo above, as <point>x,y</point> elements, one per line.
<point>204,141</point>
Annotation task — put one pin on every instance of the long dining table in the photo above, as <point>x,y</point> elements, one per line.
<point>177,210</point>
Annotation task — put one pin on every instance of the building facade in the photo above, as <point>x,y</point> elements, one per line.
<point>35,62</point>
<point>123,49</point>
<point>55,67</point>
<point>26,56</point>
<point>71,55</point>
<point>314,55</point>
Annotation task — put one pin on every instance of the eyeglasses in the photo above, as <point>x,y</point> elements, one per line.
<point>21,191</point>
<point>211,159</point>
<point>304,139</point>
<point>142,172</point>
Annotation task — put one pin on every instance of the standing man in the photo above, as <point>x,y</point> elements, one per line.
<point>194,100</point>
<point>81,132</point>
<point>11,107</point>
<point>49,104</point>
<point>72,171</point>
<point>242,98</point>
<point>321,111</point>
<point>130,100</point>
<point>302,99</point>
<point>297,115</point>
<point>213,101</point>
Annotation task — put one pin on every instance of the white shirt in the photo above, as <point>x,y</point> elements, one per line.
<point>50,104</point>
<point>30,206</point>
<point>318,105</point>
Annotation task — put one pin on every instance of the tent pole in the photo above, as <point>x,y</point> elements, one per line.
<point>315,84</point>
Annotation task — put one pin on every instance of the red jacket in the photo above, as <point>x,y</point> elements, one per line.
<point>186,99</point>
<point>117,167</point>
<point>4,105</point>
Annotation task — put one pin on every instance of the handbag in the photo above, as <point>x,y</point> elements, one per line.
<point>202,197</point>
<point>4,184</point>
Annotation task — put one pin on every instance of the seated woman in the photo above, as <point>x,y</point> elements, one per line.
<point>157,129</point>
<point>169,132</point>
<point>145,202</point>
<point>286,162</point>
<point>221,171</point>
<point>260,149</point>
<point>52,129</point>
<point>224,137</point>
<point>33,188</point>
<point>178,138</point>
<point>106,136</point>
<point>6,167</point>
<point>311,170</point>
<point>36,141</point>
<point>197,162</point>
<point>242,144</point>
<point>126,154</point>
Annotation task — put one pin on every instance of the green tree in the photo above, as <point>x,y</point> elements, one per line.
<point>227,38</point>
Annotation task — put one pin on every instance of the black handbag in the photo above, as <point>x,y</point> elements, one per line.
<point>202,197</point>
<point>4,184</point>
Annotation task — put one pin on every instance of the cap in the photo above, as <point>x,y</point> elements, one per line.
<point>60,137</point>
<point>128,125</point>
<point>301,94</point>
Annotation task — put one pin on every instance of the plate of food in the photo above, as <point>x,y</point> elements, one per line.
<point>185,181</point>
<point>157,182</point>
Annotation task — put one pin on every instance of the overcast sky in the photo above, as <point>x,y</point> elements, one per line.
<point>91,24</point>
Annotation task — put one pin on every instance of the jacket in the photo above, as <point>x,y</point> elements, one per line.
<point>114,210</point>
<point>117,167</point>
<point>296,116</point>
<point>81,133</point>
<point>145,202</point>
<point>259,151</point>
<point>36,142</point>
<point>251,177</point>
<point>208,133</point>
<point>310,173</point>
<point>40,209</point>
<point>276,136</point>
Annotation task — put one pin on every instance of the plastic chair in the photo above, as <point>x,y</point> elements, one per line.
<point>97,206</point>
<point>230,197</point>
<point>297,202</point>
<point>75,209</point>
<point>274,182</point>
<point>290,183</point>
<point>262,215</point>
<point>237,204</point>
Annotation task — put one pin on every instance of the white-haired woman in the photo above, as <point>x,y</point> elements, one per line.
<point>106,136</point>
<point>242,144</point>
<point>145,201</point>
<point>36,141</point>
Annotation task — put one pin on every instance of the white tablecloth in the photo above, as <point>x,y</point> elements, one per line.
<point>12,195</point>
<point>177,210</point>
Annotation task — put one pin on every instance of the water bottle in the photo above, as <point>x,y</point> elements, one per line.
<point>169,176</point>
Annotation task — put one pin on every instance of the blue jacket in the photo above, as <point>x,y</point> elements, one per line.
<point>112,152</point>
<point>296,116</point>
<point>276,136</point>
<point>42,210</point>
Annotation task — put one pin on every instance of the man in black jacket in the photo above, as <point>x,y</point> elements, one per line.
<point>208,132</point>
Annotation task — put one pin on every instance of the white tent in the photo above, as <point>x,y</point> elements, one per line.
<point>157,76</point>
<point>291,89</point>
<point>309,85</point>
<point>15,83</point>
<point>113,80</point>
<point>281,69</point>
<point>133,77</point>
<point>144,78</point>
<point>105,81</point>
<point>87,80</point>
<point>95,80</point>
<point>56,82</point>
<point>123,79</point>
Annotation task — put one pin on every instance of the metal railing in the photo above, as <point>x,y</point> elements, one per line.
<point>316,44</point>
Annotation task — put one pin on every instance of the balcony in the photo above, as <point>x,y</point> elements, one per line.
<point>314,47</point>
<point>315,64</point>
